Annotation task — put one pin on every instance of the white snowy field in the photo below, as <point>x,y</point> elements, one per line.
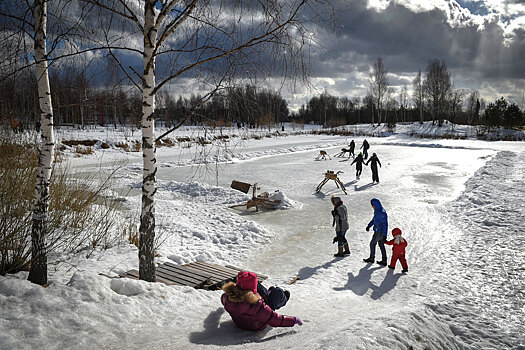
<point>459,203</point>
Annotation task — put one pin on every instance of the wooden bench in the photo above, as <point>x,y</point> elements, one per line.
<point>197,274</point>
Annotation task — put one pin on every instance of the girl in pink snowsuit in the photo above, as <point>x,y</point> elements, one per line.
<point>398,244</point>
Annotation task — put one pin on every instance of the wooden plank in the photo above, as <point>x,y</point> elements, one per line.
<point>189,280</point>
<point>218,267</point>
<point>240,186</point>
<point>174,279</point>
<point>213,270</point>
<point>209,268</point>
<point>187,271</point>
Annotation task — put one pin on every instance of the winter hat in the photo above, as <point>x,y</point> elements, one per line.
<point>396,231</point>
<point>397,236</point>
<point>336,200</point>
<point>374,154</point>
<point>247,280</point>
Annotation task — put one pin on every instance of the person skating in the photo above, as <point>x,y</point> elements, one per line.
<point>352,148</point>
<point>398,244</point>
<point>380,225</point>
<point>365,146</point>
<point>340,215</point>
<point>374,160</point>
<point>358,165</point>
<point>248,309</point>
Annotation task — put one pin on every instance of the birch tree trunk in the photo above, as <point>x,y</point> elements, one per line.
<point>147,216</point>
<point>38,271</point>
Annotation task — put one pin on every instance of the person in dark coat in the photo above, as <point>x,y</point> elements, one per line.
<point>365,146</point>
<point>358,165</point>
<point>374,160</point>
<point>352,148</point>
<point>247,308</point>
<point>340,215</point>
<point>380,224</point>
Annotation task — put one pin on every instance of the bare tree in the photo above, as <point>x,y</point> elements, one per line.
<point>378,86</point>
<point>418,94</point>
<point>403,98</point>
<point>455,102</point>
<point>473,107</point>
<point>437,86</point>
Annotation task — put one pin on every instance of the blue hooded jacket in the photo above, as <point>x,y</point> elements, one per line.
<point>380,219</point>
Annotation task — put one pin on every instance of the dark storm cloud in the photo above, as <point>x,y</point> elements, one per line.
<point>407,41</point>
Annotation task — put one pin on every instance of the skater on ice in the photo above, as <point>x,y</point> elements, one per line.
<point>380,225</point>
<point>358,165</point>
<point>248,308</point>
<point>374,160</point>
<point>365,146</point>
<point>352,148</point>
<point>340,221</point>
<point>398,244</point>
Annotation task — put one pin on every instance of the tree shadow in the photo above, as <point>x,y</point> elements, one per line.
<point>227,333</point>
<point>364,187</point>
<point>361,283</point>
<point>386,286</point>
<point>307,272</point>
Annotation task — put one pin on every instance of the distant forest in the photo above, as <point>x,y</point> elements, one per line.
<point>77,103</point>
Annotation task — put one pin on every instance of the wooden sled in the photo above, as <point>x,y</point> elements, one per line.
<point>330,175</point>
<point>342,153</point>
<point>262,200</point>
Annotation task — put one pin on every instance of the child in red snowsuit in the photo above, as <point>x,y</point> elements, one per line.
<point>398,244</point>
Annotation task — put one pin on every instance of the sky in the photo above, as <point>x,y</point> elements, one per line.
<point>481,41</point>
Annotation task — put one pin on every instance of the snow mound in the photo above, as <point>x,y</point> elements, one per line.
<point>127,286</point>
<point>202,192</point>
<point>286,203</point>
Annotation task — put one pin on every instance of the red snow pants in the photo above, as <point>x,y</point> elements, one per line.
<point>402,260</point>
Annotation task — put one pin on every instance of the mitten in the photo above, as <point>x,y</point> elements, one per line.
<point>368,228</point>
<point>298,321</point>
<point>334,212</point>
<point>335,239</point>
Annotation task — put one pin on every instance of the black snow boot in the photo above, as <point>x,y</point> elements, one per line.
<point>368,260</point>
<point>405,270</point>
<point>383,263</point>
<point>287,294</point>
<point>391,267</point>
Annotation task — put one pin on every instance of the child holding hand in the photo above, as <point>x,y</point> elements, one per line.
<point>398,244</point>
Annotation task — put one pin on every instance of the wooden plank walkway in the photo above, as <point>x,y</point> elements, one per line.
<point>197,274</point>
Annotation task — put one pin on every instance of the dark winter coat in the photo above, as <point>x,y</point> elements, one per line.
<point>352,146</point>
<point>358,162</point>
<point>340,215</point>
<point>365,145</point>
<point>380,219</point>
<point>248,310</point>
<point>374,160</point>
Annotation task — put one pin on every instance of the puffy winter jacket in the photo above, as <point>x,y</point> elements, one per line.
<point>248,310</point>
<point>380,219</point>
<point>341,215</point>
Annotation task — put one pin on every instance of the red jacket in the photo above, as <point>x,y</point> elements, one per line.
<point>254,316</point>
<point>397,248</point>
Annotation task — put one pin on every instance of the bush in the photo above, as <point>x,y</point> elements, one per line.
<point>80,217</point>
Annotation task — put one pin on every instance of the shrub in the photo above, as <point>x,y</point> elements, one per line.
<point>80,217</point>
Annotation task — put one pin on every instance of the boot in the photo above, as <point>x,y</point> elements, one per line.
<point>368,260</point>
<point>383,263</point>
<point>405,270</point>
<point>339,251</point>
<point>347,249</point>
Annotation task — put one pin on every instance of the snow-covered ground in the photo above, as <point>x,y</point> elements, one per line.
<point>460,204</point>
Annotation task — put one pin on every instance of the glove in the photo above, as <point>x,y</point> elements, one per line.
<point>368,228</point>
<point>298,321</point>
<point>335,239</point>
<point>334,212</point>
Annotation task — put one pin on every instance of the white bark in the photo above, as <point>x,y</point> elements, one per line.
<point>38,272</point>
<point>147,217</point>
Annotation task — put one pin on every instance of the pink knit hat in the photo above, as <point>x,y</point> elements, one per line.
<point>247,280</point>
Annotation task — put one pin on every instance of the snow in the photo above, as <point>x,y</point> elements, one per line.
<point>459,203</point>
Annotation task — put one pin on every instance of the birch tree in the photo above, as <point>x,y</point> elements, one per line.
<point>38,271</point>
<point>437,87</point>
<point>211,39</point>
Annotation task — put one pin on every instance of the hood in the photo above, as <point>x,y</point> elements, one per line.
<point>377,204</point>
<point>336,200</point>
<point>396,232</point>
<point>239,295</point>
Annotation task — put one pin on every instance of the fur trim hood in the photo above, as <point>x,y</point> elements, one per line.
<point>239,295</point>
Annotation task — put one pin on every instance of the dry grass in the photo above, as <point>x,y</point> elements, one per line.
<point>83,150</point>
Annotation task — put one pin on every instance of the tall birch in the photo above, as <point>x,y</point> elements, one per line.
<point>38,271</point>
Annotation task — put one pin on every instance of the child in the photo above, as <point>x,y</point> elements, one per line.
<point>246,307</point>
<point>340,215</point>
<point>398,244</point>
